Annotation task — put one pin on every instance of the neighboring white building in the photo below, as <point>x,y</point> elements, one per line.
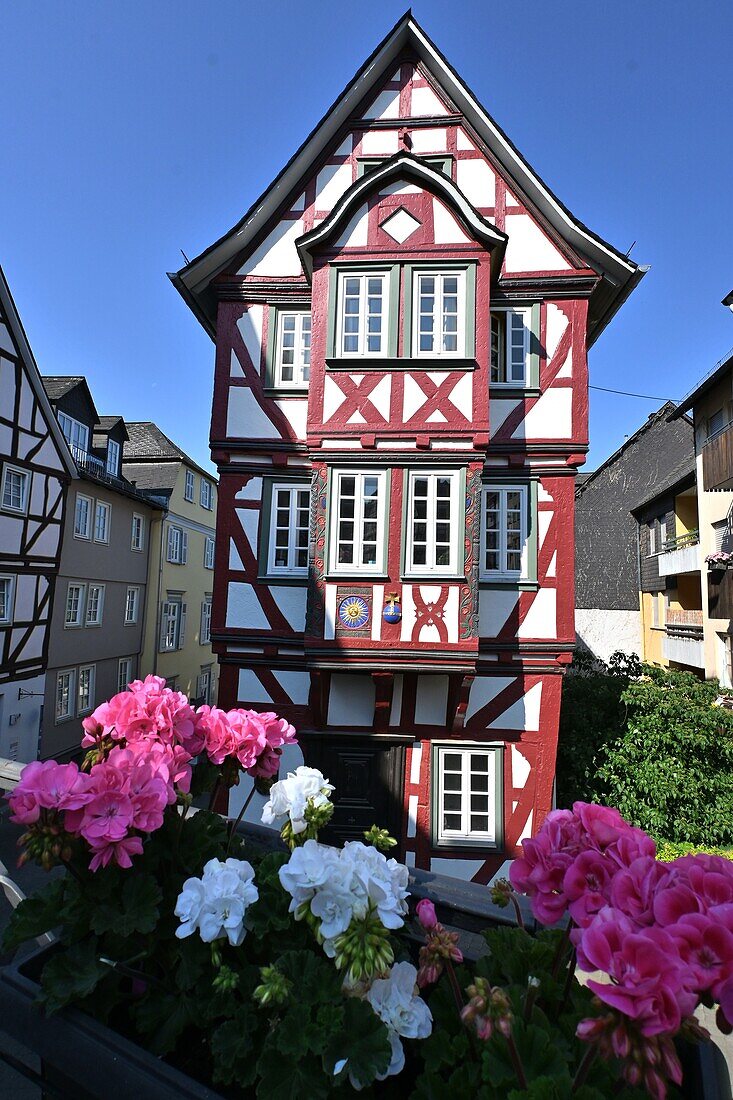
<point>35,467</point>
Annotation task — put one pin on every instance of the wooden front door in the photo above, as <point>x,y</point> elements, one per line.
<point>368,776</point>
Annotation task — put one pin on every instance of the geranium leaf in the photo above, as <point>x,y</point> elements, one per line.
<point>232,1047</point>
<point>135,909</point>
<point>161,1018</point>
<point>289,1078</point>
<point>71,975</point>
<point>35,915</point>
<point>363,1042</point>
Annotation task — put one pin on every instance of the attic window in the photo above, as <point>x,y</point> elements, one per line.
<point>400,225</point>
<point>440,163</point>
<point>76,434</point>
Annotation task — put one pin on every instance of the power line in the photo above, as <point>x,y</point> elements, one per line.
<point>643,396</point>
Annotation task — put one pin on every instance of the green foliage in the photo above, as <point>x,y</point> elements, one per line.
<point>668,850</point>
<point>133,909</point>
<point>653,745</point>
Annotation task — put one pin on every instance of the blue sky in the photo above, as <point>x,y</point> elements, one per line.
<point>130,131</point>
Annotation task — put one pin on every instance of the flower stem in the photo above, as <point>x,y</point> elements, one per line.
<point>516,1062</point>
<point>584,1067</point>
<point>562,943</point>
<point>518,911</point>
<point>240,815</point>
<point>568,979</point>
<point>214,792</point>
<point>454,984</point>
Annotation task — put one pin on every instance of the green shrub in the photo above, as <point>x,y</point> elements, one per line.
<point>667,851</point>
<point>656,746</point>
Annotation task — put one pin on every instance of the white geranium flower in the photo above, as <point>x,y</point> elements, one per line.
<point>309,867</point>
<point>383,882</point>
<point>216,903</point>
<point>290,797</point>
<point>395,1001</point>
<point>333,904</point>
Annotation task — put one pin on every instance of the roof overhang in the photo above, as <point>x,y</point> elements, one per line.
<point>722,367</point>
<point>402,166</point>
<point>619,274</point>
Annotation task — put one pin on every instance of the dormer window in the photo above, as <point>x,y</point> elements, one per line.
<point>510,347</point>
<point>76,434</point>
<point>113,457</point>
<point>363,314</point>
<point>439,311</point>
<point>293,361</point>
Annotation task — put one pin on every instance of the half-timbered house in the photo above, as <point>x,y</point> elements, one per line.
<point>400,407</point>
<point>35,467</point>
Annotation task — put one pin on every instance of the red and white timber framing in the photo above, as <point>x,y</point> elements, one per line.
<point>471,660</point>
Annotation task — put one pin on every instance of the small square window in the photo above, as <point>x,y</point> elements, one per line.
<point>15,489</point>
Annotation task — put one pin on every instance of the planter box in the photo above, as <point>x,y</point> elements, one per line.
<point>82,1058</point>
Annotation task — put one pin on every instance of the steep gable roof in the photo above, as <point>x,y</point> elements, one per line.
<point>146,443</point>
<point>619,274</point>
<point>11,317</point>
<point>57,386</point>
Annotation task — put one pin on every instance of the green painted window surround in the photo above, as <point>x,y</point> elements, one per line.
<point>272,389</point>
<point>530,581</point>
<point>393,309</point>
<point>469,346</point>
<point>531,387</point>
<point>263,555</point>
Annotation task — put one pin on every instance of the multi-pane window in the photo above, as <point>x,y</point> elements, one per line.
<point>113,457</point>
<point>65,694</point>
<point>102,515</point>
<point>209,553</point>
<point>124,673</point>
<point>85,693</point>
<point>171,625</point>
<point>205,632</point>
<point>440,314</point>
<point>6,599</point>
<point>132,604</point>
<point>466,808</point>
<point>204,686</point>
<point>504,531</point>
<point>293,362</point>
<point>357,530</point>
<point>510,347</point>
<point>95,604</point>
<point>137,540</point>
<point>15,489</point>
<point>74,605</point>
<point>206,493</point>
<point>177,545</point>
<point>363,313</point>
<point>76,434</point>
<point>289,520</point>
<point>82,517</point>
<point>188,491</point>
<point>433,522</point>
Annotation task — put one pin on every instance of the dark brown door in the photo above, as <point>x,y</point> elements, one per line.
<point>368,776</point>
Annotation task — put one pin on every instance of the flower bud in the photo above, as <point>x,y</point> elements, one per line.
<point>425,911</point>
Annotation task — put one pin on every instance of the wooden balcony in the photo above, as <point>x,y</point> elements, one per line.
<point>717,461</point>
<point>678,619</point>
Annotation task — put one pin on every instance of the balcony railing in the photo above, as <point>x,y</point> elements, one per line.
<point>93,465</point>
<point>683,641</point>
<point>676,618</point>
<point>680,555</point>
<point>717,460</point>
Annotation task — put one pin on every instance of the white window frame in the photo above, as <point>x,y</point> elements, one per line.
<point>466,836</point>
<point>137,533</point>
<point>135,604</point>
<point>335,497</point>
<point>99,588</point>
<point>206,674</point>
<point>363,352</point>
<point>205,630</point>
<point>7,581</point>
<point>124,673</point>
<point>25,478</point>
<point>84,533</point>
<point>113,457</point>
<point>170,620</point>
<point>506,366</point>
<point>70,673</point>
<point>106,509</point>
<point>89,706</point>
<point>177,545</point>
<point>206,494</point>
<point>503,572</point>
<point>209,546</point>
<point>439,274</point>
<point>80,605</point>
<point>190,489</point>
<point>456,523</point>
<point>652,537</point>
<point>291,569</point>
<point>74,432</point>
<point>302,341</point>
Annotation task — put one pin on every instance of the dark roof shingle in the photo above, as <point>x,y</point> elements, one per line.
<point>56,385</point>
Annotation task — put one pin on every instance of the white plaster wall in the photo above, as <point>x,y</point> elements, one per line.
<point>19,740</point>
<point>603,631</point>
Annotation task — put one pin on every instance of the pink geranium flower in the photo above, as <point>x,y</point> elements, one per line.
<point>118,851</point>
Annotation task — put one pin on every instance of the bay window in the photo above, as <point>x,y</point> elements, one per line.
<point>433,522</point>
<point>358,521</point>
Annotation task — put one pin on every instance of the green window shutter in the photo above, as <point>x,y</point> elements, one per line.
<point>533,379</point>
